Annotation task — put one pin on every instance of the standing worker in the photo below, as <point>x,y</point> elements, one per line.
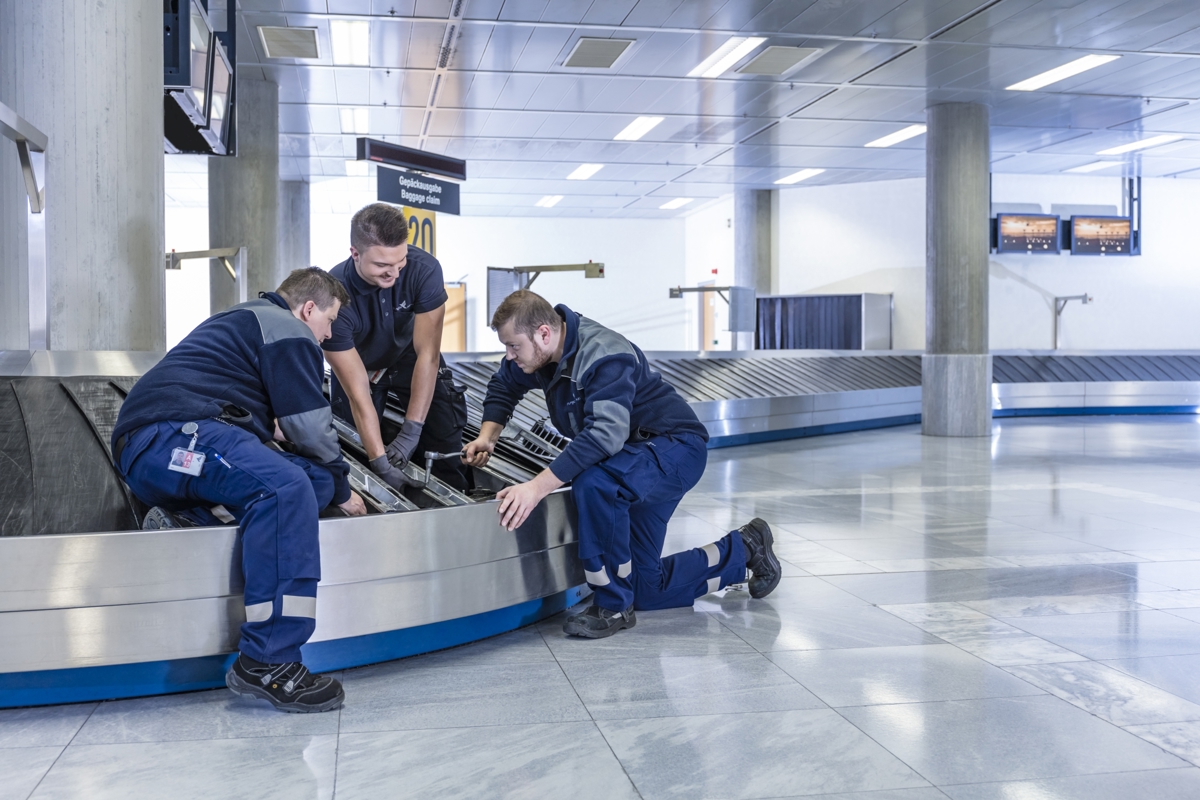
<point>194,432</point>
<point>389,338</point>
<point>636,449</point>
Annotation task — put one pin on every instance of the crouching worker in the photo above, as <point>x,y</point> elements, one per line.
<point>636,449</point>
<point>194,433</point>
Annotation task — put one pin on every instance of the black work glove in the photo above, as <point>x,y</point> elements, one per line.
<point>390,475</point>
<point>401,449</point>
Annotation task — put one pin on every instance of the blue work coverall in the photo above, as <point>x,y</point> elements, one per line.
<point>234,376</point>
<point>636,450</point>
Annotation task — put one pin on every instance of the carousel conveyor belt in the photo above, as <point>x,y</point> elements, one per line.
<point>91,607</point>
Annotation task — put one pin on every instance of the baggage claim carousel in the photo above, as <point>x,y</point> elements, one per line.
<point>93,608</point>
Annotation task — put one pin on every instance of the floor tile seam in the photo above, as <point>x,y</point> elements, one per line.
<point>767,657</point>
<point>1128,729</point>
<point>884,747</point>
<point>1183,768</point>
<point>337,745</point>
<point>54,763</point>
<point>1119,672</point>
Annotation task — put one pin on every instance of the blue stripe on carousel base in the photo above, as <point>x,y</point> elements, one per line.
<point>1093,411</point>
<point>116,681</point>
<point>736,440</point>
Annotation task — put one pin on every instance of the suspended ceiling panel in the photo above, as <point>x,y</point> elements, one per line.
<point>507,101</point>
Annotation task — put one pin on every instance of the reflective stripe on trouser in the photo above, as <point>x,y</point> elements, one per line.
<point>275,497</point>
<point>624,505</point>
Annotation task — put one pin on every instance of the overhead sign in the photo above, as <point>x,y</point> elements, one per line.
<point>417,191</point>
<point>422,229</point>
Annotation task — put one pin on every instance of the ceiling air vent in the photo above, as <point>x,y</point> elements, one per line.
<point>778,60</point>
<point>597,53</point>
<point>289,42</point>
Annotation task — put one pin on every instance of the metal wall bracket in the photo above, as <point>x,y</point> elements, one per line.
<point>31,147</point>
<point>232,258</point>
<point>1060,303</point>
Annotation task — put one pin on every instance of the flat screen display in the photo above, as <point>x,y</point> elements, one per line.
<point>1027,233</point>
<point>218,108</point>
<point>1101,236</point>
<point>201,37</point>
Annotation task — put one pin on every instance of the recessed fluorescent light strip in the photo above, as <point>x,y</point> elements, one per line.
<point>1142,144</point>
<point>637,129</point>
<point>796,177</point>
<point>1095,165</point>
<point>901,135</point>
<point>584,171</point>
<point>678,202</point>
<point>734,50</point>
<point>351,41</point>
<point>356,120</point>
<point>549,201</point>
<point>1068,70</point>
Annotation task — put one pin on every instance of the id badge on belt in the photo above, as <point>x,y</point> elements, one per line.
<point>189,462</point>
<point>375,376</point>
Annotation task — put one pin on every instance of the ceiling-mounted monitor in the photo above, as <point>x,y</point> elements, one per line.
<point>1101,236</point>
<point>1027,233</point>
<point>221,81</point>
<point>187,81</point>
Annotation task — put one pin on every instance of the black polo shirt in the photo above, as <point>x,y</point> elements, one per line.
<point>379,322</point>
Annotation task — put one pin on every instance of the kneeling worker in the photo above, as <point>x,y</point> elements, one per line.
<point>389,339</point>
<point>636,449</point>
<point>193,434</point>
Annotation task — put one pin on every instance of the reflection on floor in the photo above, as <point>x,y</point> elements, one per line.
<point>1013,617</point>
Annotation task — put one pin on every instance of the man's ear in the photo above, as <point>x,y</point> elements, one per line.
<point>306,310</point>
<point>354,253</point>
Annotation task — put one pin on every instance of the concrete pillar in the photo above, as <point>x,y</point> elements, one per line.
<point>956,368</point>
<point>243,195</point>
<point>294,229</point>
<point>752,238</point>
<point>90,75</point>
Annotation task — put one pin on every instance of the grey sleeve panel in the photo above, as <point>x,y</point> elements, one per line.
<point>312,433</point>
<point>276,323</point>
<point>610,428</point>
<point>597,342</point>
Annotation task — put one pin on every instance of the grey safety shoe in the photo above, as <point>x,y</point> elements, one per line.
<point>288,687</point>
<point>159,519</point>
<point>764,567</point>
<point>597,622</point>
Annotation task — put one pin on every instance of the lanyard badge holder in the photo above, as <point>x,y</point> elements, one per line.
<point>189,462</point>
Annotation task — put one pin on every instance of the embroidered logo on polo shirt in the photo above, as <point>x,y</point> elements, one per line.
<point>404,306</point>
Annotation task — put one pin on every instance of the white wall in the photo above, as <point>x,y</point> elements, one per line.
<point>642,259</point>
<point>187,287</point>
<point>870,237</point>
<point>708,250</point>
<point>859,237</point>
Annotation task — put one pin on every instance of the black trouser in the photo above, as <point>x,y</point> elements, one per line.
<point>444,423</point>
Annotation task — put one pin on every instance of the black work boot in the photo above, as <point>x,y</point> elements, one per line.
<point>288,687</point>
<point>597,622</point>
<point>764,567</point>
<point>159,519</point>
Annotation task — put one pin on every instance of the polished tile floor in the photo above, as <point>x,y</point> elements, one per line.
<point>1015,617</point>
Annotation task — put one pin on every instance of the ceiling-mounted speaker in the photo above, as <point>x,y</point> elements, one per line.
<point>289,42</point>
<point>777,60</point>
<point>597,53</point>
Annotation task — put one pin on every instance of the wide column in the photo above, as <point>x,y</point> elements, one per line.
<point>294,226</point>
<point>243,196</point>
<point>90,75</point>
<point>956,368</point>
<point>751,248</point>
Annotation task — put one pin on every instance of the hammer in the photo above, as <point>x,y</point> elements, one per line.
<point>432,456</point>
